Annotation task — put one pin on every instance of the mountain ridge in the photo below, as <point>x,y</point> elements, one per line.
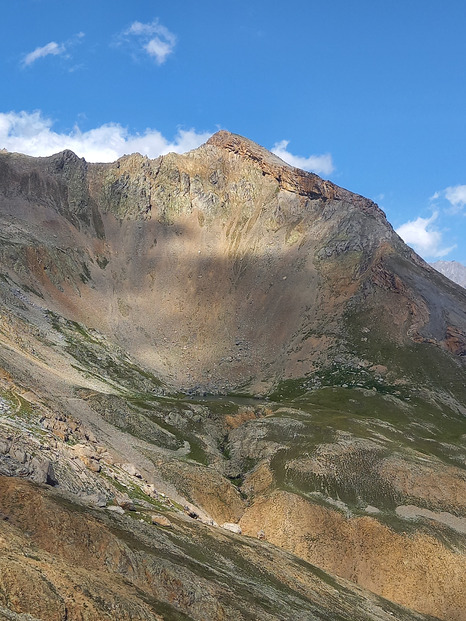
<point>219,338</point>
<point>289,220</point>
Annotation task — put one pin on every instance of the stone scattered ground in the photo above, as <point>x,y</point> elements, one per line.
<point>80,562</point>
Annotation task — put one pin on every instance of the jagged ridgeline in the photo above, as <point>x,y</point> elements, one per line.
<point>224,269</point>
<point>218,338</point>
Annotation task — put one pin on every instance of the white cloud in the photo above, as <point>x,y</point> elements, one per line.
<point>32,134</point>
<point>155,39</point>
<point>51,49</point>
<point>158,49</point>
<point>426,240</point>
<point>320,164</point>
<point>456,196</point>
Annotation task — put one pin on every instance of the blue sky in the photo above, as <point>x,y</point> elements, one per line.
<point>370,94</point>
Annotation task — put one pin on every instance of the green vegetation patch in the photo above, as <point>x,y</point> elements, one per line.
<point>103,360</point>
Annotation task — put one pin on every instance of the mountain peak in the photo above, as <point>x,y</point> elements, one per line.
<point>290,178</point>
<point>247,148</point>
<point>130,289</point>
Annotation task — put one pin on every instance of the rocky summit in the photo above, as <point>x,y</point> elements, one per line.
<point>228,390</point>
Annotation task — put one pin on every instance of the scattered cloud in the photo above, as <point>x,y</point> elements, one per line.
<point>51,49</point>
<point>456,196</point>
<point>157,41</point>
<point>32,134</point>
<point>452,199</point>
<point>320,164</point>
<point>423,237</point>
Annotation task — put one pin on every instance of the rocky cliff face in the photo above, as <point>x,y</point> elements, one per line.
<point>137,297</point>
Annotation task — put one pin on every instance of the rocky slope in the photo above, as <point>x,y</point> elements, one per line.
<point>63,560</point>
<point>453,270</point>
<point>218,337</point>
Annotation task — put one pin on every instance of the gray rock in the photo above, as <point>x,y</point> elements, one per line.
<point>131,470</point>
<point>127,505</point>
<point>11,468</point>
<point>161,520</point>
<point>19,455</point>
<point>41,471</point>
<point>99,500</point>
<point>4,447</point>
<point>234,528</point>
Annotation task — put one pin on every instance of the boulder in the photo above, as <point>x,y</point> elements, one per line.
<point>234,528</point>
<point>160,520</point>
<point>131,470</point>
<point>41,471</point>
<point>91,463</point>
<point>84,451</point>
<point>18,454</point>
<point>5,446</point>
<point>127,504</point>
